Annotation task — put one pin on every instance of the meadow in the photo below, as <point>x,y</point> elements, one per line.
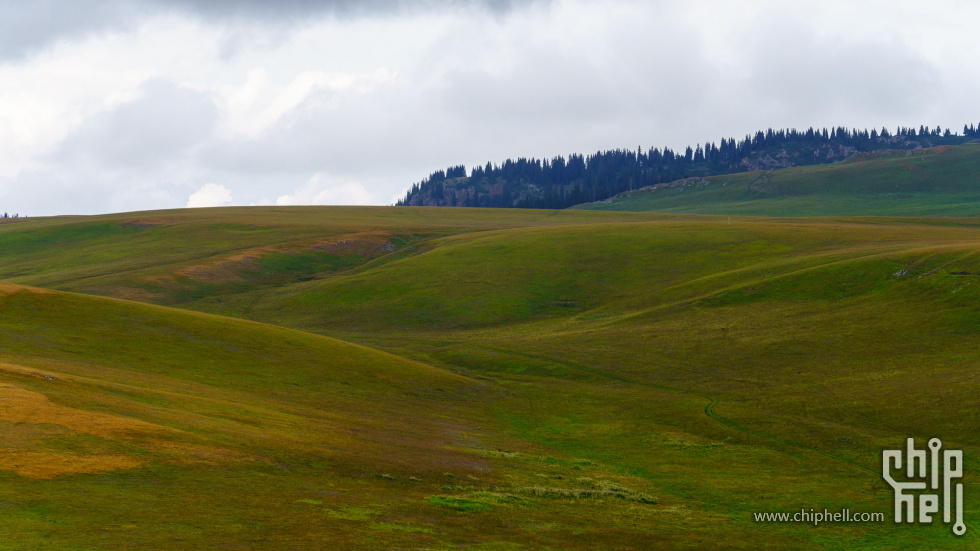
<point>932,182</point>
<point>440,378</point>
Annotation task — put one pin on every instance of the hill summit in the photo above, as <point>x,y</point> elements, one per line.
<point>561,182</point>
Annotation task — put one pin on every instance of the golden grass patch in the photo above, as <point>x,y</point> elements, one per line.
<point>32,411</point>
<point>228,267</point>
<point>50,465</point>
<point>18,405</point>
<point>7,289</point>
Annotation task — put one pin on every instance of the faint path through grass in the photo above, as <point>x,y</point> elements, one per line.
<point>709,411</point>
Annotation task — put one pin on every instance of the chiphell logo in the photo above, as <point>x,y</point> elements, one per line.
<point>928,476</point>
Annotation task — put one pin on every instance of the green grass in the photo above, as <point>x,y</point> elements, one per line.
<point>940,181</point>
<point>458,504</point>
<point>492,380</point>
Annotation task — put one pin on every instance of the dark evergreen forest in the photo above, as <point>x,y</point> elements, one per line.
<point>562,182</point>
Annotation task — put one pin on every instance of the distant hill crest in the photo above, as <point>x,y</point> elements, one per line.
<point>563,182</point>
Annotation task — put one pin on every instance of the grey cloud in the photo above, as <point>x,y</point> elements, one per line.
<point>327,133</point>
<point>551,98</point>
<point>222,9</point>
<point>544,89</point>
<point>533,83</point>
<point>133,156</point>
<point>53,190</point>
<point>27,27</point>
<point>862,81</point>
<point>164,124</point>
<point>538,100</point>
<point>42,192</point>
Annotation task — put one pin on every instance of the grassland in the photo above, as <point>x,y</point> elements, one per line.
<point>939,181</point>
<point>471,379</point>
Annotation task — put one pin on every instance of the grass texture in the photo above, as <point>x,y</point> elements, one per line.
<point>383,378</point>
<point>938,181</point>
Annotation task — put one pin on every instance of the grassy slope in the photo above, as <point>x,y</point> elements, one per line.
<point>812,355</point>
<point>176,257</point>
<point>128,423</point>
<point>723,367</point>
<point>941,181</point>
<point>197,409</point>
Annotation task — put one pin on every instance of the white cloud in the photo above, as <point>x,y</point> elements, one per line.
<point>210,195</point>
<point>260,103</point>
<point>135,108</point>
<point>320,191</point>
<point>351,193</point>
<point>27,27</point>
<point>162,126</point>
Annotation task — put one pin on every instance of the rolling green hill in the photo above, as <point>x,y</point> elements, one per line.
<point>437,378</point>
<point>177,257</point>
<point>123,420</point>
<point>939,181</point>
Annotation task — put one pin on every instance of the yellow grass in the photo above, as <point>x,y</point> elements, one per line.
<point>229,267</point>
<point>18,405</point>
<point>7,289</point>
<point>49,465</point>
<point>32,411</point>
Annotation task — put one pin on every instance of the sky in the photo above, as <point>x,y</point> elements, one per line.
<point>123,105</point>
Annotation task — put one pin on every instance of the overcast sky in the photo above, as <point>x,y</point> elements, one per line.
<point>110,106</point>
